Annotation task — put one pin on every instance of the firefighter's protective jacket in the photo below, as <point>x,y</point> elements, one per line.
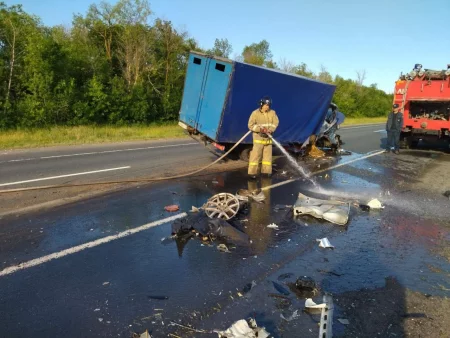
<point>258,120</point>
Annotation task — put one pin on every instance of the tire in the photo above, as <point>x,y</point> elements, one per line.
<point>244,155</point>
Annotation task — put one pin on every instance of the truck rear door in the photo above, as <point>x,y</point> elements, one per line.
<point>195,78</point>
<point>213,97</point>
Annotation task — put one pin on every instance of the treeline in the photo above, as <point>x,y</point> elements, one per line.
<point>113,66</point>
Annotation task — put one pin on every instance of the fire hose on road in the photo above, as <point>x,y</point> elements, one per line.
<point>185,175</point>
<point>129,181</point>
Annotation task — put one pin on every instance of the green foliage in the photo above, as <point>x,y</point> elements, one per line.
<point>258,54</point>
<point>117,65</point>
<point>222,48</point>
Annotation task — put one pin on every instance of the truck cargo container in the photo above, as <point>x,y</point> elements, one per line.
<point>220,94</point>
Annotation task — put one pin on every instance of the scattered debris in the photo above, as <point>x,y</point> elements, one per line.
<point>223,248</point>
<point>364,207</point>
<point>325,243</point>
<point>273,226</point>
<point>142,335</point>
<point>304,287</point>
<point>188,327</point>
<point>172,208</point>
<point>105,283</point>
<point>247,195</point>
<point>223,205</point>
<point>168,239</point>
<point>244,329</point>
<point>291,317</point>
<point>157,297</point>
<point>329,273</point>
<point>282,207</point>
<point>195,209</point>
<point>375,204</point>
<point>447,194</point>
<point>205,227</point>
<point>285,276</point>
<point>281,289</point>
<point>275,295</point>
<point>326,317</point>
<point>333,211</point>
<point>96,310</point>
<point>310,304</point>
<point>248,287</point>
<point>343,321</point>
<point>100,320</point>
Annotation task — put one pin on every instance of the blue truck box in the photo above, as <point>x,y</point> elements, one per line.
<point>220,94</point>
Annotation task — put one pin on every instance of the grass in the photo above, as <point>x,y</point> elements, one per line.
<point>363,120</point>
<point>31,138</point>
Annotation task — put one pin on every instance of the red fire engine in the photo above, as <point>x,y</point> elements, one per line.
<point>424,97</point>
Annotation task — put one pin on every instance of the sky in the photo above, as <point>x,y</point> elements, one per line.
<point>380,37</point>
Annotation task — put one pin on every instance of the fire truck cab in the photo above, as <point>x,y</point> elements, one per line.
<point>424,97</point>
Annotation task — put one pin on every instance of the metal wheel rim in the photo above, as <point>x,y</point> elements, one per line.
<point>222,205</point>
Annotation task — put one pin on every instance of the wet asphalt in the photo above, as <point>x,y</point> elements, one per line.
<point>141,282</point>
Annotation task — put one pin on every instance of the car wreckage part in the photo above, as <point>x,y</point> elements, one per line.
<point>331,210</point>
<point>326,318</point>
<point>223,205</point>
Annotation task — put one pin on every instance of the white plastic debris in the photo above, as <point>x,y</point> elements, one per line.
<point>195,209</point>
<point>244,329</point>
<point>309,303</point>
<point>324,243</point>
<point>343,321</point>
<point>105,283</point>
<point>273,226</point>
<point>375,204</point>
<point>223,248</point>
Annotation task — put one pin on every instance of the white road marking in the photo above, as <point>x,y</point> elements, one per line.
<point>380,131</point>
<point>98,152</point>
<point>78,248</point>
<point>61,176</point>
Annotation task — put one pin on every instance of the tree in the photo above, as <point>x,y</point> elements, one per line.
<point>258,54</point>
<point>132,51</point>
<point>360,77</point>
<point>115,66</point>
<point>222,48</point>
<point>324,75</point>
<point>286,66</point>
<point>15,26</point>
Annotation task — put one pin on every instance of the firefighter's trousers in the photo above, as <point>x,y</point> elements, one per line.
<point>261,154</point>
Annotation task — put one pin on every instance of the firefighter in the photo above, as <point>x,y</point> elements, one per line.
<point>262,121</point>
<point>394,127</point>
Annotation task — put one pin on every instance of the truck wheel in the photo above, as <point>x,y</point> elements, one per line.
<point>244,155</point>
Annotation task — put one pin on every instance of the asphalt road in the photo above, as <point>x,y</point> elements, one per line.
<point>59,165</point>
<point>77,271</point>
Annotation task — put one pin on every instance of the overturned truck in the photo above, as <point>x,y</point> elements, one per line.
<point>220,94</point>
